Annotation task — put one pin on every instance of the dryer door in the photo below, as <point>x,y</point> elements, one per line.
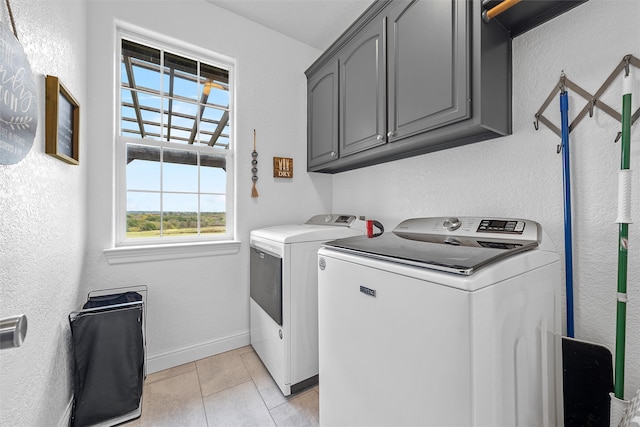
<point>266,282</point>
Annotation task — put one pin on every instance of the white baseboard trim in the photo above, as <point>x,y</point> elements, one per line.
<point>168,359</point>
<point>65,419</point>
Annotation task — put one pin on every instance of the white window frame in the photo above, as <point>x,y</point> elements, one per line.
<point>145,249</point>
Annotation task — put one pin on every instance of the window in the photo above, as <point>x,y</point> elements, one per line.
<point>174,143</point>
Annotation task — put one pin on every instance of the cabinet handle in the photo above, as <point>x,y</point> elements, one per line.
<point>390,134</point>
<point>379,137</point>
<point>333,154</point>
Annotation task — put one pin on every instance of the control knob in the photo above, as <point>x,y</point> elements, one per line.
<point>452,224</point>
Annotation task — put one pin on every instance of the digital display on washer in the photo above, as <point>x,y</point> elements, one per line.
<point>500,226</point>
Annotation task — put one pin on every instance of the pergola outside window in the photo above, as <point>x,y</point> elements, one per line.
<point>176,135</point>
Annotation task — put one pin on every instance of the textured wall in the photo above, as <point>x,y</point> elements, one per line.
<point>521,175</point>
<point>194,303</point>
<point>42,227</point>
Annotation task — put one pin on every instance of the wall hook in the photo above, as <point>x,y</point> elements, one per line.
<point>626,59</point>
<point>618,137</point>
<point>536,123</point>
<point>562,86</point>
<point>593,103</point>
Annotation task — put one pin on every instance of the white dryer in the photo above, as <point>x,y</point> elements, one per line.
<point>443,322</point>
<point>284,296</point>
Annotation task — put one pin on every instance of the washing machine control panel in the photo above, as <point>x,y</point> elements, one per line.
<point>483,228</point>
<point>501,226</point>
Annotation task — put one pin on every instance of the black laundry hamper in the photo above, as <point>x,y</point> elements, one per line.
<point>109,357</point>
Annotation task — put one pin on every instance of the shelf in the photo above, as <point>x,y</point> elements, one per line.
<point>529,14</point>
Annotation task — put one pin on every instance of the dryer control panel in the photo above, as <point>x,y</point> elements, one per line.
<point>332,219</point>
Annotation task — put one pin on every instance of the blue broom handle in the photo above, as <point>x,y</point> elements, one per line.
<point>566,178</point>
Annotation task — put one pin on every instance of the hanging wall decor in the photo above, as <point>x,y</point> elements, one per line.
<point>254,167</point>
<point>18,99</point>
<point>62,122</point>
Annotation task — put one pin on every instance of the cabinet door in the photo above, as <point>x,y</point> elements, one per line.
<point>428,45</point>
<point>322,115</point>
<point>363,90</point>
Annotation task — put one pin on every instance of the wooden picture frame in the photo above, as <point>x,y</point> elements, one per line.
<point>62,122</point>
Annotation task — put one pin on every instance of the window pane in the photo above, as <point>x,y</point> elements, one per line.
<point>129,124</point>
<point>143,214</point>
<point>213,114</point>
<point>212,222</point>
<point>214,125</point>
<point>218,96</point>
<point>183,116</point>
<point>180,171</point>
<point>145,78</point>
<point>213,217</point>
<point>149,106</point>
<point>130,129</point>
<point>180,214</point>
<point>213,180</point>
<point>181,76</point>
<point>210,203</point>
<point>143,168</point>
<point>124,75</point>
<point>140,66</point>
<point>218,87</point>
<point>143,202</point>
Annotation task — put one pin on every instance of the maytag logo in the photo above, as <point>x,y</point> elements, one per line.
<point>367,291</point>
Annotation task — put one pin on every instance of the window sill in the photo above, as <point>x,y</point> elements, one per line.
<point>132,254</point>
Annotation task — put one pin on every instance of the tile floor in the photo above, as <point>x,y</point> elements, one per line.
<point>229,389</point>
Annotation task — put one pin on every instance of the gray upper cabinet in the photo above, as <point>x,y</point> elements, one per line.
<point>428,63</point>
<point>414,77</point>
<point>322,115</point>
<point>363,100</point>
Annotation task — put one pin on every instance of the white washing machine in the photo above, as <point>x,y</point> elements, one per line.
<point>443,322</point>
<point>284,296</point>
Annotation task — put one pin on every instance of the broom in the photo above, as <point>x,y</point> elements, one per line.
<point>618,403</point>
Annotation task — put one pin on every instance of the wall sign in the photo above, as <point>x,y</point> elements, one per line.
<point>62,122</point>
<point>18,100</point>
<point>282,167</point>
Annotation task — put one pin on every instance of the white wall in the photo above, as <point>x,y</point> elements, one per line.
<point>43,226</point>
<point>200,306</point>
<point>521,175</point>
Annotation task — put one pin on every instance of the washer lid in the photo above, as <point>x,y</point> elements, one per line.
<point>337,228</point>
<point>462,250</point>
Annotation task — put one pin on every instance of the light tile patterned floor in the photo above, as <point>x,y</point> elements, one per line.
<point>229,389</point>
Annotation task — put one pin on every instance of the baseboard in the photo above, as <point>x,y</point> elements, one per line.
<point>168,359</point>
<point>65,419</point>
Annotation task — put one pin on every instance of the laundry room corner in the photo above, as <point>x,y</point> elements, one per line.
<point>520,175</point>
